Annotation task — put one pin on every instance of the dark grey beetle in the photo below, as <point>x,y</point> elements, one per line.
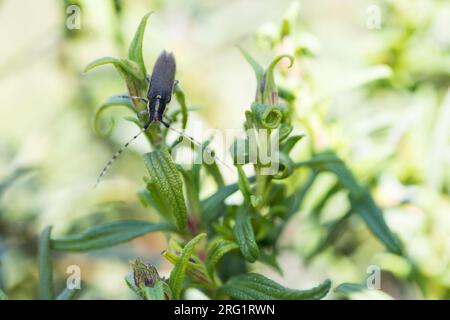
<point>161,86</point>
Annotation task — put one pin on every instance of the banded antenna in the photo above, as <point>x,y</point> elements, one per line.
<point>118,153</point>
<point>197,143</point>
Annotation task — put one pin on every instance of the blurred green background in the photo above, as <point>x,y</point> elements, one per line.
<point>377,94</point>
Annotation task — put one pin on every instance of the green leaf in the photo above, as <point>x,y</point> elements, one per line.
<point>333,231</point>
<point>211,206</point>
<point>68,294</point>
<point>113,101</point>
<point>156,198</point>
<point>178,273</point>
<point>244,184</point>
<point>267,87</point>
<point>253,286</point>
<point>329,161</point>
<point>181,98</point>
<point>267,116</point>
<point>157,292</point>
<point>257,68</point>
<point>3,296</point>
<point>122,65</point>
<point>8,181</point>
<point>286,94</point>
<point>285,166</point>
<point>357,291</point>
<point>191,179</point>
<point>295,200</point>
<point>195,268</point>
<point>270,260</point>
<point>107,235</point>
<point>285,131</point>
<point>217,248</point>
<point>245,236</point>
<point>214,171</point>
<point>135,49</point>
<point>360,199</point>
<point>46,289</point>
<point>129,280</point>
<point>163,172</point>
<point>366,208</point>
<point>290,143</point>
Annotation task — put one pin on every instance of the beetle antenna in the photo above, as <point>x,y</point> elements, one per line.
<point>198,143</point>
<point>119,152</point>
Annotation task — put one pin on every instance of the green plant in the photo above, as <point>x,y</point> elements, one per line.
<point>212,244</point>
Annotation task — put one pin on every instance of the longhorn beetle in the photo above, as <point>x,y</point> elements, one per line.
<point>161,86</point>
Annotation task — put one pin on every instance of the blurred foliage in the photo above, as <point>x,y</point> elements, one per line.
<point>365,175</point>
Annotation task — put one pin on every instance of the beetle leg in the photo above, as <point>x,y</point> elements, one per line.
<point>169,120</point>
<point>142,113</point>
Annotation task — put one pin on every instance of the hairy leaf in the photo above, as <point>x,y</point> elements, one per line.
<point>195,268</point>
<point>107,235</point>
<point>178,273</point>
<point>163,172</point>
<point>254,286</point>
<point>245,236</point>
<point>217,248</point>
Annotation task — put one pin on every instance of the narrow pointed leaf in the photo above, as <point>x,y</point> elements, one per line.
<point>135,49</point>
<point>254,286</point>
<point>257,68</point>
<point>46,289</point>
<point>357,291</point>
<point>244,184</point>
<point>181,98</point>
<point>269,90</point>
<point>216,250</point>
<point>245,236</point>
<point>290,143</point>
<point>68,294</point>
<point>164,173</point>
<point>360,199</point>
<point>123,65</point>
<point>107,235</point>
<point>366,208</point>
<point>3,296</point>
<point>178,273</point>
<point>211,206</point>
<point>195,268</point>
<point>113,101</point>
